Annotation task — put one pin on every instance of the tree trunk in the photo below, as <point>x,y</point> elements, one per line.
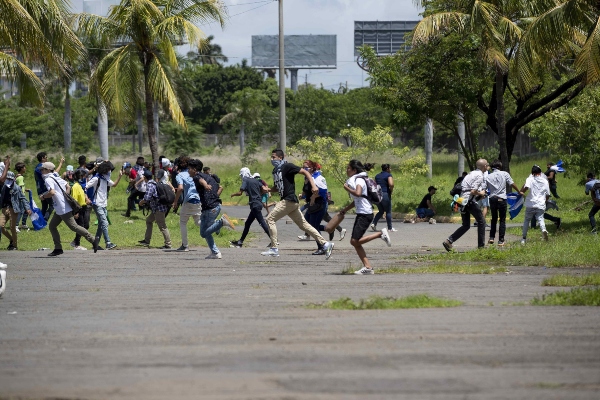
<point>501,127</point>
<point>242,139</point>
<point>102,129</point>
<point>156,126</point>
<point>429,146</point>
<point>150,117</point>
<point>140,128</point>
<point>461,144</point>
<point>67,122</point>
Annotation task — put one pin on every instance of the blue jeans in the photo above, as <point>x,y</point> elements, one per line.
<point>209,225</point>
<point>425,212</point>
<point>384,206</point>
<point>315,219</point>
<point>102,222</point>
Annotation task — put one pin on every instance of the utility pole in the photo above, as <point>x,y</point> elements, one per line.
<point>282,133</point>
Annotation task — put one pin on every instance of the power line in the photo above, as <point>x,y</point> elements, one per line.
<point>243,12</point>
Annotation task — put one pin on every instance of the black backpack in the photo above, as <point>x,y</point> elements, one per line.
<point>165,193</point>
<point>457,189</point>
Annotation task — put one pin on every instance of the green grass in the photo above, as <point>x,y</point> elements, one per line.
<point>572,280</point>
<point>567,249</point>
<point>574,297</point>
<point>386,303</point>
<point>467,269</point>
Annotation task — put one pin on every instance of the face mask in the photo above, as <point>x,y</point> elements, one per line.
<point>46,175</point>
<point>9,183</point>
<point>276,163</point>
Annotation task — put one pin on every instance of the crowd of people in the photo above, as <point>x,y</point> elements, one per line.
<point>188,187</point>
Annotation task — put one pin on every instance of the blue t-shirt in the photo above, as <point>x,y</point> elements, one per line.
<point>589,186</point>
<point>39,181</point>
<point>382,180</point>
<point>190,194</point>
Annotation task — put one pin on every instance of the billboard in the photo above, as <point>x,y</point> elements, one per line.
<point>386,37</point>
<point>301,51</point>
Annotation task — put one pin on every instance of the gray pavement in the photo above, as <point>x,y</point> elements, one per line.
<point>147,324</point>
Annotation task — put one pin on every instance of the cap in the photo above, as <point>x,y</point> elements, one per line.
<point>126,165</point>
<point>99,160</point>
<point>10,175</point>
<point>430,188</point>
<point>69,168</point>
<point>148,174</point>
<point>245,171</point>
<point>48,165</point>
<point>166,163</point>
<point>160,174</point>
<point>256,175</point>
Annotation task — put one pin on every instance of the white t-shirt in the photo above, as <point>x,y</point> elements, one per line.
<point>363,206</point>
<point>60,206</point>
<point>101,196</point>
<point>538,190</point>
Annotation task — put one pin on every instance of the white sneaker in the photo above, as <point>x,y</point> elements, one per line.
<point>523,242</point>
<point>342,234</point>
<point>432,221</point>
<point>303,237</point>
<point>227,222</point>
<point>386,237</point>
<point>393,230</point>
<point>545,235</point>
<point>79,248</point>
<point>373,228</point>
<point>364,271</point>
<point>214,256</point>
<point>328,247</point>
<point>183,248</point>
<point>2,282</point>
<point>73,244</point>
<point>17,229</point>
<point>2,265</point>
<point>273,252</point>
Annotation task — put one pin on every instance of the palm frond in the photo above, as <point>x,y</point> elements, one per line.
<point>159,84</point>
<point>30,86</point>
<point>433,25</point>
<point>588,61</point>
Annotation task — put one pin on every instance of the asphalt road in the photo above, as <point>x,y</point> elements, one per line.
<point>148,324</point>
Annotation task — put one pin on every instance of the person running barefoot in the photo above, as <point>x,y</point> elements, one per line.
<point>356,186</point>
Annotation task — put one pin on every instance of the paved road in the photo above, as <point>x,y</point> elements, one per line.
<point>146,324</point>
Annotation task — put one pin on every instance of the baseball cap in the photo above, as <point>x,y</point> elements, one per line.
<point>69,168</point>
<point>166,163</point>
<point>160,174</point>
<point>430,188</point>
<point>10,175</point>
<point>148,173</point>
<point>256,175</point>
<point>126,165</point>
<point>48,165</point>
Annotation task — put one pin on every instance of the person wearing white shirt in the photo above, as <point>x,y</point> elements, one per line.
<point>100,183</point>
<point>535,202</point>
<point>473,186</point>
<point>356,186</point>
<point>497,181</point>
<point>56,188</point>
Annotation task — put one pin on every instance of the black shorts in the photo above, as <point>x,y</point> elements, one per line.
<point>361,224</point>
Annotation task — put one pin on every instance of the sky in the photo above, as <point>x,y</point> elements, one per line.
<point>304,17</point>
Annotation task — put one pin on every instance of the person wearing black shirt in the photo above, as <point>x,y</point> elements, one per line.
<point>209,191</point>
<point>253,188</point>
<point>426,208</point>
<point>283,177</point>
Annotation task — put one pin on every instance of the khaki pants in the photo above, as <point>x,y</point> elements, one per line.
<point>159,218</point>
<point>71,224</point>
<point>291,209</point>
<point>6,215</point>
<point>188,210</point>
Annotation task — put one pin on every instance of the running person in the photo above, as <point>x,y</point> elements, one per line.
<point>283,177</point>
<point>252,187</point>
<point>356,186</point>
<point>386,181</point>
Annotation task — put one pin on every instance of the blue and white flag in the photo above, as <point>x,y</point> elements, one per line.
<point>515,203</point>
<point>558,167</point>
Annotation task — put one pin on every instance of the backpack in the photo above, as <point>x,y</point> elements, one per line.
<point>596,189</point>
<point>165,194</point>
<point>374,192</point>
<point>457,189</point>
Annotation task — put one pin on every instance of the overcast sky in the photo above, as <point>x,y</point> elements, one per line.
<point>303,17</point>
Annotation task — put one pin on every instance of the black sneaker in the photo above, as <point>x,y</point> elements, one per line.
<point>319,252</point>
<point>11,246</point>
<point>447,245</point>
<point>143,243</point>
<point>558,224</point>
<point>110,246</point>
<point>236,243</point>
<point>95,244</point>
<point>331,236</point>
<point>55,252</point>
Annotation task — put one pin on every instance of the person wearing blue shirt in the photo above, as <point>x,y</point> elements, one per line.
<point>386,181</point>
<point>191,201</point>
<point>47,205</point>
<point>595,194</point>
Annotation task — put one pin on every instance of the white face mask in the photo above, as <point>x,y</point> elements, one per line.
<point>46,175</point>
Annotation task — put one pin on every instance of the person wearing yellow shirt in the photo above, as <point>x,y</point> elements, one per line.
<point>83,218</point>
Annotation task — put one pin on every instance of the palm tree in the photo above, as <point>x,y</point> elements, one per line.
<point>246,109</point>
<point>494,23</point>
<point>145,33</point>
<point>211,53</point>
<point>35,34</point>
